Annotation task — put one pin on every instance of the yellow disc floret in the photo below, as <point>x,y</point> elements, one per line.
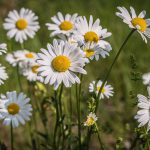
<point>21,24</point>
<point>91,37</point>
<point>98,88</point>
<point>61,63</point>
<point>90,121</point>
<point>35,68</point>
<point>66,25</point>
<point>29,55</point>
<point>13,108</point>
<point>139,23</point>
<point>89,52</point>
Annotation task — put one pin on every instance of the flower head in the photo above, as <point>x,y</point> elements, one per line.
<point>21,25</point>
<point>15,109</point>
<point>146,78</point>
<point>92,32</point>
<point>106,91</point>
<point>3,48</point>
<point>62,24</point>
<point>60,63</point>
<point>31,72</point>
<point>135,21</point>
<point>91,119</point>
<point>3,74</point>
<point>143,116</point>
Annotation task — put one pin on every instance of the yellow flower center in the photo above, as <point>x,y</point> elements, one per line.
<point>91,37</point>
<point>29,55</point>
<point>13,108</point>
<point>139,23</point>
<point>98,88</point>
<point>34,68</point>
<point>66,25</point>
<point>21,24</point>
<point>90,121</point>
<point>89,52</point>
<point>61,63</point>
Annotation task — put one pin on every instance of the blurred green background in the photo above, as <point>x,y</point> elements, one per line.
<point>117,114</point>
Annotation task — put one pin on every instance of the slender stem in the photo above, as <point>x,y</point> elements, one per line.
<point>57,120</point>
<point>107,75</point>
<point>60,103</point>
<point>19,80</point>
<point>11,136</point>
<point>78,96</point>
<point>61,115</point>
<point>134,143</point>
<point>22,45</point>
<point>111,66</point>
<point>99,138</point>
<point>70,117</point>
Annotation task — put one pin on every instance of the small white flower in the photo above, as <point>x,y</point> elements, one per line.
<point>25,56</point>
<point>92,32</point>
<point>3,48</point>
<point>15,108</point>
<point>31,72</point>
<point>21,58</point>
<point>21,25</point>
<point>11,59</point>
<point>62,24</point>
<point>135,21</point>
<point>146,78</point>
<point>60,63</point>
<point>91,119</point>
<point>71,39</point>
<point>143,115</point>
<point>106,91</point>
<point>92,50</point>
<point>3,74</point>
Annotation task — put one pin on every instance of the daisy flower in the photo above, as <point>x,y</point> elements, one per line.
<point>91,119</point>
<point>3,48</point>
<point>135,21</point>
<point>11,59</point>
<point>146,78</point>
<point>3,74</point>
<point>71,39</point>
<point>92,32</point>
<point>143,116</point>
<point>25,56</point>
<point>62,24</point>
<point>21,25</point>
<point>107,90</point>
<point>15,108</point>
<point>60,63</point>
<point>31,72</point>
<point>93,51</point>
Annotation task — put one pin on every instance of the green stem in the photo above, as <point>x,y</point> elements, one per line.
<point>108,73</point>
<point>22,46</point>
<point>19,79</point>
<point>78,96</point>
<point>60,103</point>
<point>99,138</point>
<point>11,136</point>
<point>70,117</point>
<point>134,143</point>
<point>61,115</point>
<point>57,121</point>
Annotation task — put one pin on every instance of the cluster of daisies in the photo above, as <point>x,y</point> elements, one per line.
<point>77,41</point>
